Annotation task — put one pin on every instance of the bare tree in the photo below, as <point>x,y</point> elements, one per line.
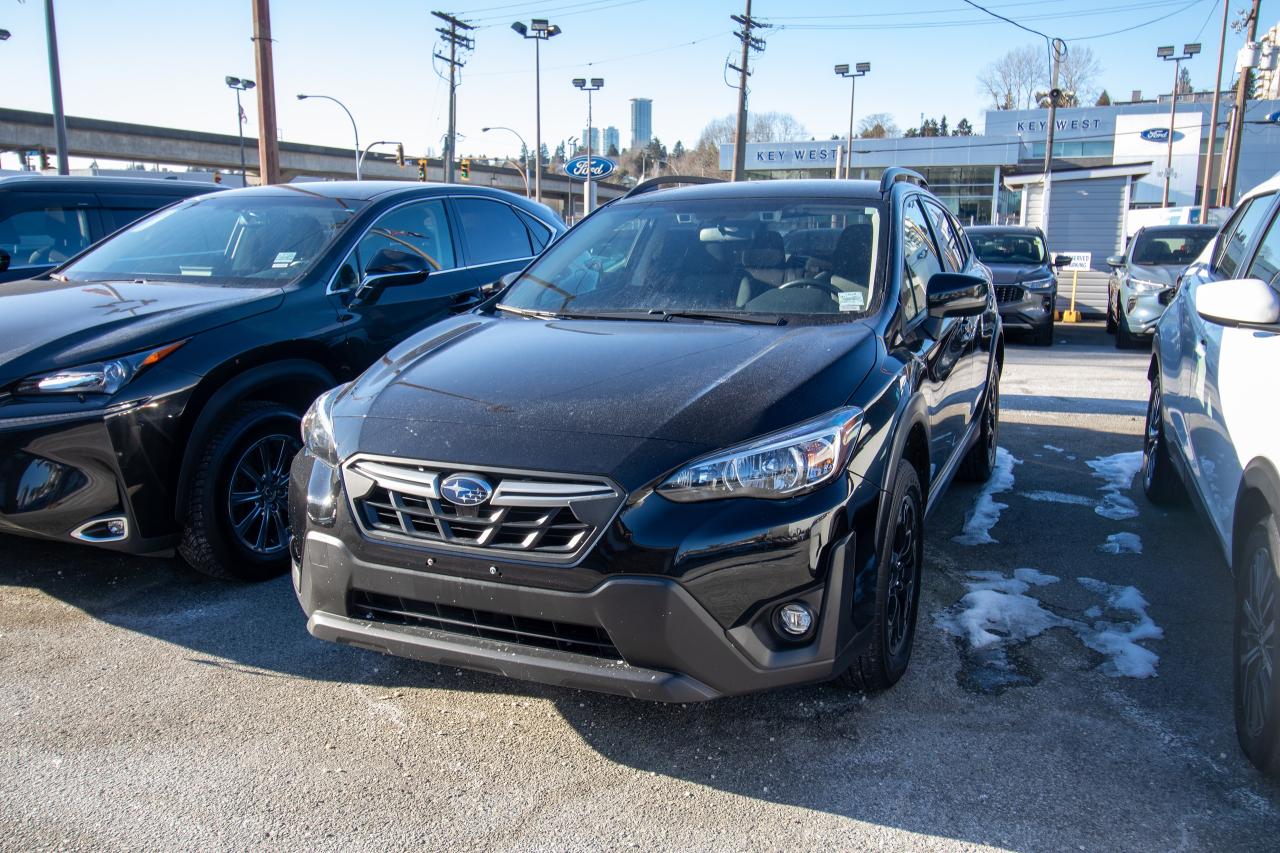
<point>877,126</point>
<point>1078,73</point>
<point>775,127</point>
<point>1011,80</point>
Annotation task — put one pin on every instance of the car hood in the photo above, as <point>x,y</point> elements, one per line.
<point>1016,273</point>
<point>627,399</point>
<point>1166,275</point>
<point>46,324</point>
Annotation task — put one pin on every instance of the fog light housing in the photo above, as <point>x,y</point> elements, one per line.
<point>794,620</point>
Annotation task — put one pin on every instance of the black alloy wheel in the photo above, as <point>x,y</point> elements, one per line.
<point>258,497</point>
<point>1257,647</point>
<point>980,462</point>
<point>904,575</point>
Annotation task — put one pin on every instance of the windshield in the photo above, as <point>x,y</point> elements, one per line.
<point>731,256</point>
<point>1169,248</point>
<point>1010,248</point>
<point>225,238</point>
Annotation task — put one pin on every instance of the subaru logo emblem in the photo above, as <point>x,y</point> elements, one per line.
<point>466,490</point>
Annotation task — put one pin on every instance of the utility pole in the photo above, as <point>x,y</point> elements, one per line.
<point>1059,49</point>
<point>1205,202</point>
<point>55,84</point>
<point>455,40</point>
<point>268,146</point>
<point>749,43</point>
<point>1237,117</point>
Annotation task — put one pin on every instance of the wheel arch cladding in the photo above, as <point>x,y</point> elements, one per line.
<point>1259,496</point>
<point>294,382</point>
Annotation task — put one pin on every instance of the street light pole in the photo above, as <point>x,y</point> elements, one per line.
<point>539,30</point>
<point>241,85</point>
<point>523,145</point>
<point>860,69</point>
<point>1166,53</point>
<point>597,83</point>
<point>373,145</point>
<point>55,85</point>
<point>354,130</point>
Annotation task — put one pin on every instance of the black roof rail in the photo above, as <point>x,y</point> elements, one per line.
<point>893,174</point>
<point>668,180</point>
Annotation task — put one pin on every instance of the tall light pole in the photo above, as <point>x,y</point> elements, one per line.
<point>240,84</point>
<point>597,83</point>
<point>354,130</point>
<point>538,30</point>
<point>55,86</point>
<point>372,145</point>
<point>1166,53</point>
<point>523,145</point>
<point>860,70</point>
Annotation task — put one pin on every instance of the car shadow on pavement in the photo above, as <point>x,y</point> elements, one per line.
<point>1017,769</point>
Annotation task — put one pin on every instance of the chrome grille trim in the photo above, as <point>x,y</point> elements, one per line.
<point>532,515</point>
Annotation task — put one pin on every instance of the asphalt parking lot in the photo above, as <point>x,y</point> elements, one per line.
<point>148,707</point>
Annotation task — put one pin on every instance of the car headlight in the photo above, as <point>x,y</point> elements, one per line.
<point>105,377</point>
<point>1039,283</point>
<point>317,427</point>
<point>780,465</point>
<point>1142,285</point>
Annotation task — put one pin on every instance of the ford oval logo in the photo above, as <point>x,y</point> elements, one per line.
<point>466,490</point>
<point>600,166</point>
<point>1159,134</point>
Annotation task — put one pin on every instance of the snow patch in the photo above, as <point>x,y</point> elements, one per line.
<point>1119,640</point>
<point>997,610</point>
<point>1051,447</point>
<point>1122,543</point>
<point>1116,472</point>
<point>1058,498</point>
<point>986,509</point>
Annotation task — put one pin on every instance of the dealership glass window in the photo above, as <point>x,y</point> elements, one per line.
<point>1243,226</point>
<point>1266,264</point>
<point>1075,148</point>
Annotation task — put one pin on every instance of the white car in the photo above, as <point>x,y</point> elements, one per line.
<point>1211,429</point>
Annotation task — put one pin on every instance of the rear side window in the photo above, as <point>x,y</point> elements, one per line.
<point>1239,234</point>
<point>539,234</point>
<point>493,231</point>
<point>44,235</point>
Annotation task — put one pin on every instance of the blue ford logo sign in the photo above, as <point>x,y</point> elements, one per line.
<point>466,490</point>
<point>1159,134</point>
<point>599,167</point>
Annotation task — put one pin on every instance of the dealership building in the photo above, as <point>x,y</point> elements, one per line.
<point>1107,161</point>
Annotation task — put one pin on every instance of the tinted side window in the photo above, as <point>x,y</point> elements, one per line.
<point>43,235</point>
<point>1239,233</point>
<point>949,241</point>
<point>539,234</point>
<point>494,232</point>
<point>1266,264</point>
<point>920,253</point>
<point>421,228</point>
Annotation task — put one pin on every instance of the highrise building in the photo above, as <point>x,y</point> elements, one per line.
<point>641,122</point>
<point>595,140</point>
<point>612,140</point>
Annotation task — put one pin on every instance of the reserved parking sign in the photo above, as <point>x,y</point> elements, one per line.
<point>1079,260</point>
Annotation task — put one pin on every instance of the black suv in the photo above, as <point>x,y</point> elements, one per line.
<point>1024,275</point>
<point>671,460</point>
<point>151,388</point>
<point>45,219</point>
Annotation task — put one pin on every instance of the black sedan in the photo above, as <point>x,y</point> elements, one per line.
<point>673,459</point>
<point>151,388</point>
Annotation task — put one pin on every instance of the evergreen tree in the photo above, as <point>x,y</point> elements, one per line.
<point>942,126</point>
<point>963,128</point>
<point>678,151</point>
<point>560,153</point>
<point>545,154</point>
<point>1104,100</point>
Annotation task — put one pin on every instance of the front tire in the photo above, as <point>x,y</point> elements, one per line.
<point>1257,646</point>
<point>1124,338</point>
<point>897,589</point>
<point>1043,336</point>
<point>236,525</point>
<point>1111,317</point>
<point>1160,480</point>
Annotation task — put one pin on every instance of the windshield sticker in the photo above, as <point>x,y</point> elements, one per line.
<point>283,259</point>
<point>854,300</point>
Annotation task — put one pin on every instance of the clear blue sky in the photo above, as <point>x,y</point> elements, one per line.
<point>163,61</point>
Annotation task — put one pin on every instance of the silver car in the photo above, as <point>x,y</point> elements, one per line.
<point>1142,279</point>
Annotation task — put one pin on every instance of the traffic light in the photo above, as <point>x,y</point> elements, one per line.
<point>464,168</point>
<point>422,170</point>
<point>44,159</point>
<point>400,155</point>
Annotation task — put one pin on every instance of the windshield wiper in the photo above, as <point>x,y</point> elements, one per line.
<point>725,317</point>
<point>527,312</point>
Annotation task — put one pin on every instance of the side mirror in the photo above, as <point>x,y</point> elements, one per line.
<point>5,260</point>
<point>954,294</point>
<point>1062,261</point>
<point>1115,261</point>
<point>390,268</point>
<point>1247,302</point>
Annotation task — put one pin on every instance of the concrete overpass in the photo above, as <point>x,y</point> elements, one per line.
<point>22,130</point>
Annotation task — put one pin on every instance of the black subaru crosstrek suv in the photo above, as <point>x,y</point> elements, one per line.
<point>151,387</point>
<point>670,460</point>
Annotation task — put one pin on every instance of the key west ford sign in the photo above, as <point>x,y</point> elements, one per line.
<point>600,166</point>
<point>1159,134</point>
<point>764,156</point>
<point>1060,125</point>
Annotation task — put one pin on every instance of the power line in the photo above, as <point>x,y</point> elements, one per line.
<point>1177,11</point>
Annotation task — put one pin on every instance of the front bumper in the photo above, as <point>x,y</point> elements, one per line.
<point>1029,310</point>
<point>1141,311</point>
<point>679,626</point>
